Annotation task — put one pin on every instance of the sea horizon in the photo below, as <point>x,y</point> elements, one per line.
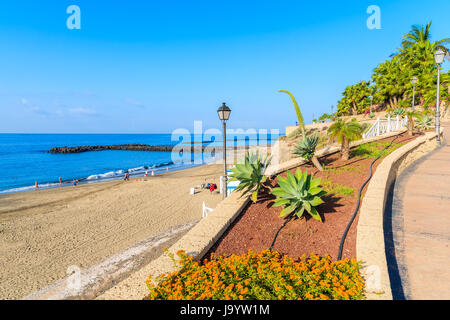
<point>27,161</point>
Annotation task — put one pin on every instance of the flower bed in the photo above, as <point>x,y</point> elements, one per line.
<point>264,276</point>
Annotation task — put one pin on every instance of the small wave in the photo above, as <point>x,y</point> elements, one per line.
<point>160,167</point>
<point>29,188</point>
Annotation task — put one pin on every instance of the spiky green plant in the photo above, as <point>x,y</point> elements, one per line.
<point>398,112</point>
<point>306,148</point>
<point>301,122</point>
<point>298,194</point>
<point>424,123</point>
<point>250,174</point>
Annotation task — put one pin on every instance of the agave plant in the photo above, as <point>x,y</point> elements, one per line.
<point>398,112</point>
<point>298,194</point>
<point>424,123</point>
<point>250,174</point>
<point>306,148</point>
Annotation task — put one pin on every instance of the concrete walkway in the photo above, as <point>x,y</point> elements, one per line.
<point>417,228</point>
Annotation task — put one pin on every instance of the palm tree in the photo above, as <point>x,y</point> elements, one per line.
<point>391,81</point>
<point>411,115</point>
<point>345,132</point>
<point>301,122</point>
<point>355,98</point>
<point>421,34</point>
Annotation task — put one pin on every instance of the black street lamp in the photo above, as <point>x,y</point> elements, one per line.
<point>438,58</point>
<point>414,81</point>
<point>224,115</point>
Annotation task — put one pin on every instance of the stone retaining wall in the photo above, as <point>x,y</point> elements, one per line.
<point>370,243</point>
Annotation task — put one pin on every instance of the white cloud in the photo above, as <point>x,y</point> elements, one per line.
<point>134,103</point>
<point>83,111</point>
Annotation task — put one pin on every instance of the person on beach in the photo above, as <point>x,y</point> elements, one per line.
<point>146,173</point>
<point>36,186</point>
<point>60,181</point>
<point>75,182</point>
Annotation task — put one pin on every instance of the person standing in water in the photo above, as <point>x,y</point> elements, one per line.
<point>60,181</point>
<point>36,186</point>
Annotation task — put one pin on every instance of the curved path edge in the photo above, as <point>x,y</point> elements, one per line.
<point>370,238</point>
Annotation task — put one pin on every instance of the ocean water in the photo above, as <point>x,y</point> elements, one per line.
<point>24,158</point>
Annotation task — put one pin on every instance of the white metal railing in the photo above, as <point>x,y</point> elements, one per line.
<point>385,126</point>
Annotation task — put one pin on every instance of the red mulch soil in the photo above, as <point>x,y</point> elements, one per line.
<point>257,225</point>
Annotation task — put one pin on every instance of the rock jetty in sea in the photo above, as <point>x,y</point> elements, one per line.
<point>128,147</point>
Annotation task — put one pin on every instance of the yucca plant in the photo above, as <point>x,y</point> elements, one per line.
<point>306,148</point>
<point>424,123</point>
<point>345,132</point>
<point>398,112</point>
<point>298,194</point>
<point>250,174</point>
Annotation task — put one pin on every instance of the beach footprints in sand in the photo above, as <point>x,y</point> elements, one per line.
<point>73,282</point>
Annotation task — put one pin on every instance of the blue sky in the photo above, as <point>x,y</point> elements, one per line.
<point>154,66</point>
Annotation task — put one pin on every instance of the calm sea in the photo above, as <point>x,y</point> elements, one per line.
<point>24,158</point>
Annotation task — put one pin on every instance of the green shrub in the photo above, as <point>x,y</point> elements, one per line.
<point>338,189</point>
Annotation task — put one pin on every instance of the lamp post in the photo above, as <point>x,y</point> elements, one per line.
<point>371,103</point>
<point>224,115</point>
<point>438,58</point>
<point>414,81</point>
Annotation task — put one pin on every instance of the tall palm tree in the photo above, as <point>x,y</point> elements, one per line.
<point>421,34</point>
<point>345,132</point>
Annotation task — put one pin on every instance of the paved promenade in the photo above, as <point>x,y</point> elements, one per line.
<point>417,228</point>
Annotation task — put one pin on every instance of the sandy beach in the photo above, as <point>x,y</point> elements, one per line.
<point>44,232</point>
